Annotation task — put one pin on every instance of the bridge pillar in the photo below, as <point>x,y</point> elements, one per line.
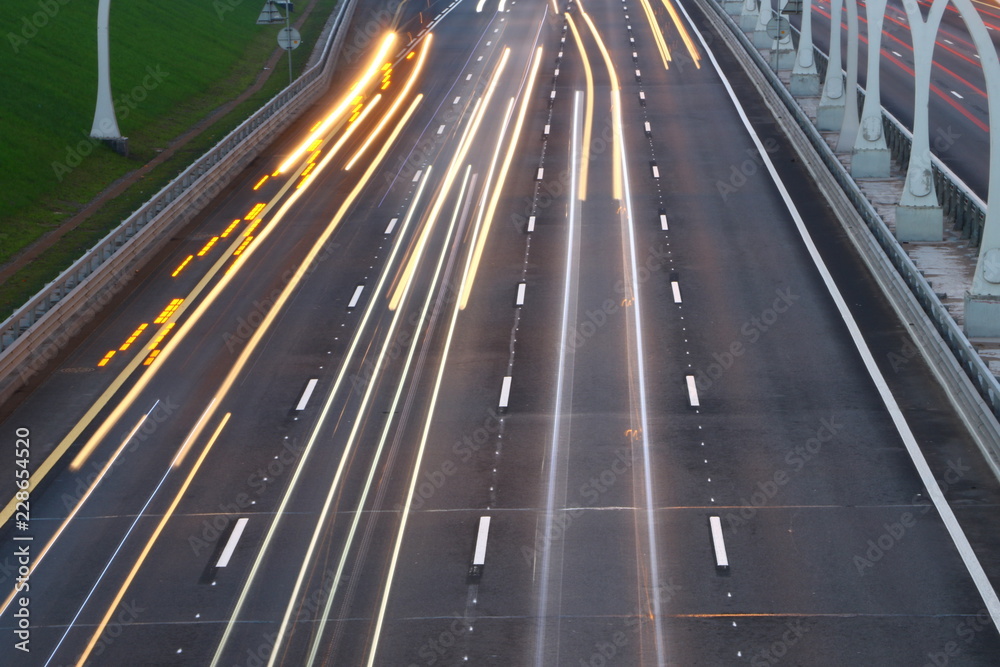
<point>919,217</point>
<point>748,16</point>
<point>871,156</point>
<point>805,77</point>
<point>733,7</point>
<point>830,113</point>
<point>761,39</point>
<point>849,125</point>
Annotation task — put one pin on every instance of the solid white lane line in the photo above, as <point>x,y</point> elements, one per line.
<point>721,559</point>
<point>663,222</point>
<point>675,286</point>
<point>392,225</point>
<point>520,294</point>
<point>505,391</point>
<point>484,532</point>
<point>692,391</point>
<point>531,223</point>
<point>958,537</point>
<point>227,553</point>
<point>357,295</point>
<point>306,395</point>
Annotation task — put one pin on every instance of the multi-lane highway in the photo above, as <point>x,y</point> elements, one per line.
<point>460,371</point>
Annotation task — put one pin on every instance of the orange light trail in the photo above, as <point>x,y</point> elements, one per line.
<point>131,339</point>
<point>181,267</point>
<point>352,94</point>
<point>230,228</point>
<point>208,246</point>
<point>396,104</point>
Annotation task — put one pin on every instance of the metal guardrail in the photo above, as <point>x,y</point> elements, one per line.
<point>964,370</point>
<point>37,331</point>
<point>962,205</point>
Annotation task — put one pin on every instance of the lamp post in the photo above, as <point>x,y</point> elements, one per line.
<point>105,125</point>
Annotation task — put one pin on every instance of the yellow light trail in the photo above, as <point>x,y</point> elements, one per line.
<point>495,199</point>
<point>79,503</point>
<point>616,167</point>
<point>588,120</point>
<point>688,42</point>
<point>262,331</point>
<point>661,45</point>
<point>456,163</point>
<point>387,427</point>
<point>342,140</point>
<point>113,607</point>
<point>332,117</point>
<point>404,280</point>
<point>414,75</point>
<point>178,306</point>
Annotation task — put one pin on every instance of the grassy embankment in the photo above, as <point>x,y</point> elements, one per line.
<point>172,65</point>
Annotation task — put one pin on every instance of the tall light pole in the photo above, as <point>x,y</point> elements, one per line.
<point>105,125</point>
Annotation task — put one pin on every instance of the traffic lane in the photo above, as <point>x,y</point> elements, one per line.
<point>745,612</point>
<point>192,420</point>
<point>770,483</point>
<point>463,466</point>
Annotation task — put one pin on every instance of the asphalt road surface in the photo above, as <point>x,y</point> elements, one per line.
<point>528,300</point>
